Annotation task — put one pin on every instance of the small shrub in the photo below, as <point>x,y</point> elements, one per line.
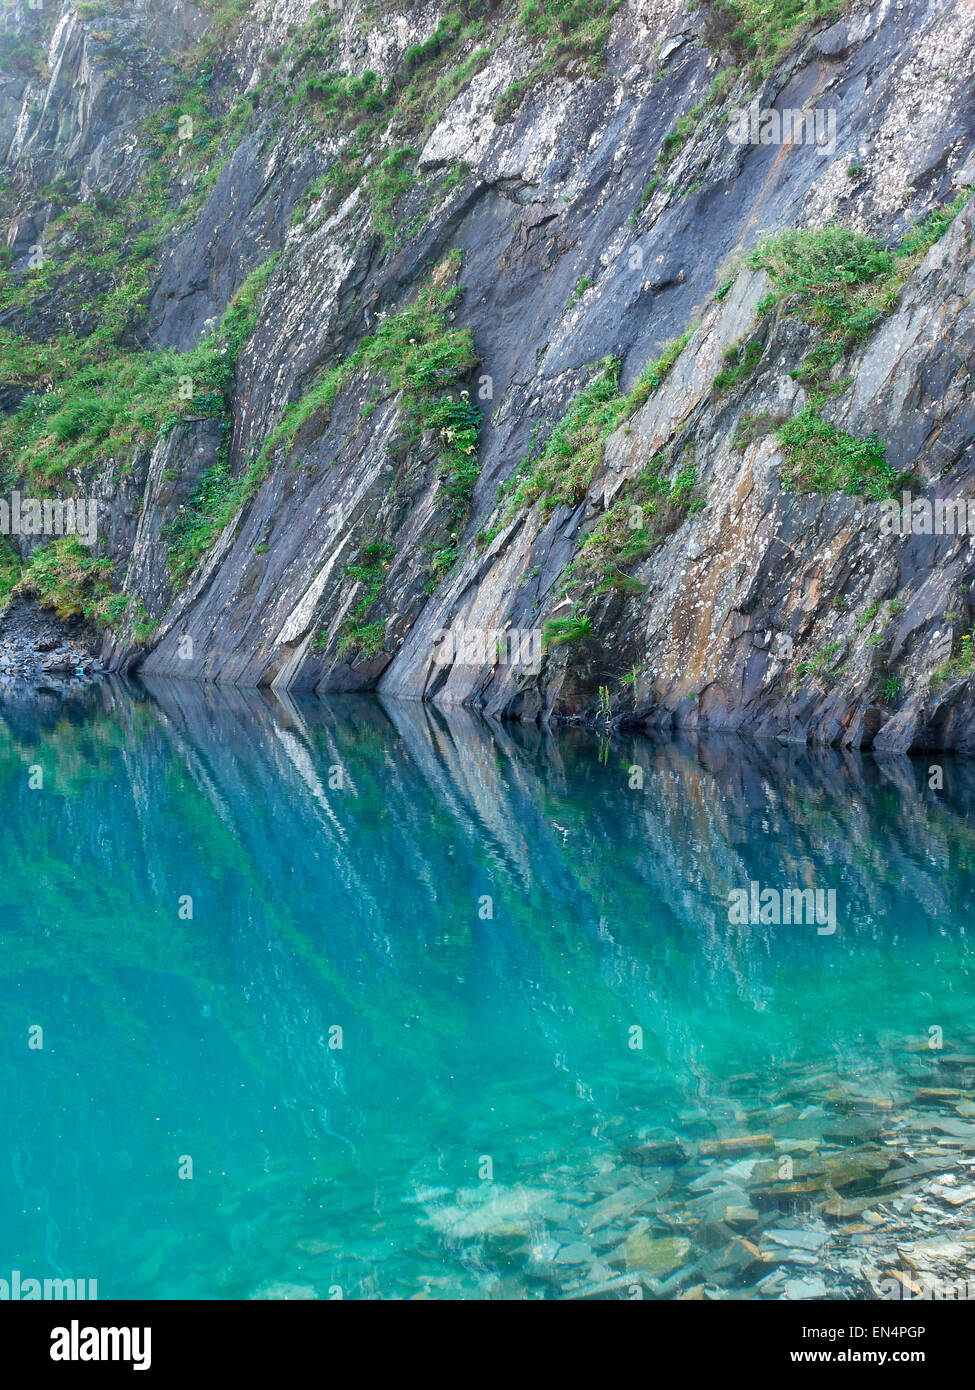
<point>821,458</point>
<point>559,632</point>
<point>741,361</point>
<point>582,284</point>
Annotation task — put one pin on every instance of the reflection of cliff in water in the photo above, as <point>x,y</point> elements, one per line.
<point>225,795</point>
<point>336,856</point>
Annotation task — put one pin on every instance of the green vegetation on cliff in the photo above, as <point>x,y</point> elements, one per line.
<point>821,458</point>
<point>420,357</point>
<point>758,33</point>
<point>842,282</point>
<point>67,577</point>
<point>566,31</point>
<point>563,472</point>
<point>358,636</point>
<point>87,407</point>
<point>646,509</point>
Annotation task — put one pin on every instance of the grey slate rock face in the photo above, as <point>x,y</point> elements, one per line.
<point>550,198</point>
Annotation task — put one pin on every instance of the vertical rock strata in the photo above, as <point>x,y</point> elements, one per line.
<point>390,220</point>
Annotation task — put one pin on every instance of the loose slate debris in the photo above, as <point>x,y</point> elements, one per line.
<point>807,1185</point>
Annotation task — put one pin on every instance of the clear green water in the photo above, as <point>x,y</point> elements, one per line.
<point>463,1038</point>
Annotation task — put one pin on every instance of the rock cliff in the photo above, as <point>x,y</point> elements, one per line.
<point>504,355</point>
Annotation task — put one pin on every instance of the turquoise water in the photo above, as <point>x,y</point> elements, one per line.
<point>471,1043</point>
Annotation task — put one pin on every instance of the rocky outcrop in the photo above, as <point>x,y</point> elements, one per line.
<point>44,654</point>
<point>570,254</point>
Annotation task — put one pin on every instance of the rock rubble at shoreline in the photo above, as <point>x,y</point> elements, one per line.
<point>42,651</point>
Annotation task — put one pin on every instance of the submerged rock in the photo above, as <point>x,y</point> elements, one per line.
<point>657,1257</point>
